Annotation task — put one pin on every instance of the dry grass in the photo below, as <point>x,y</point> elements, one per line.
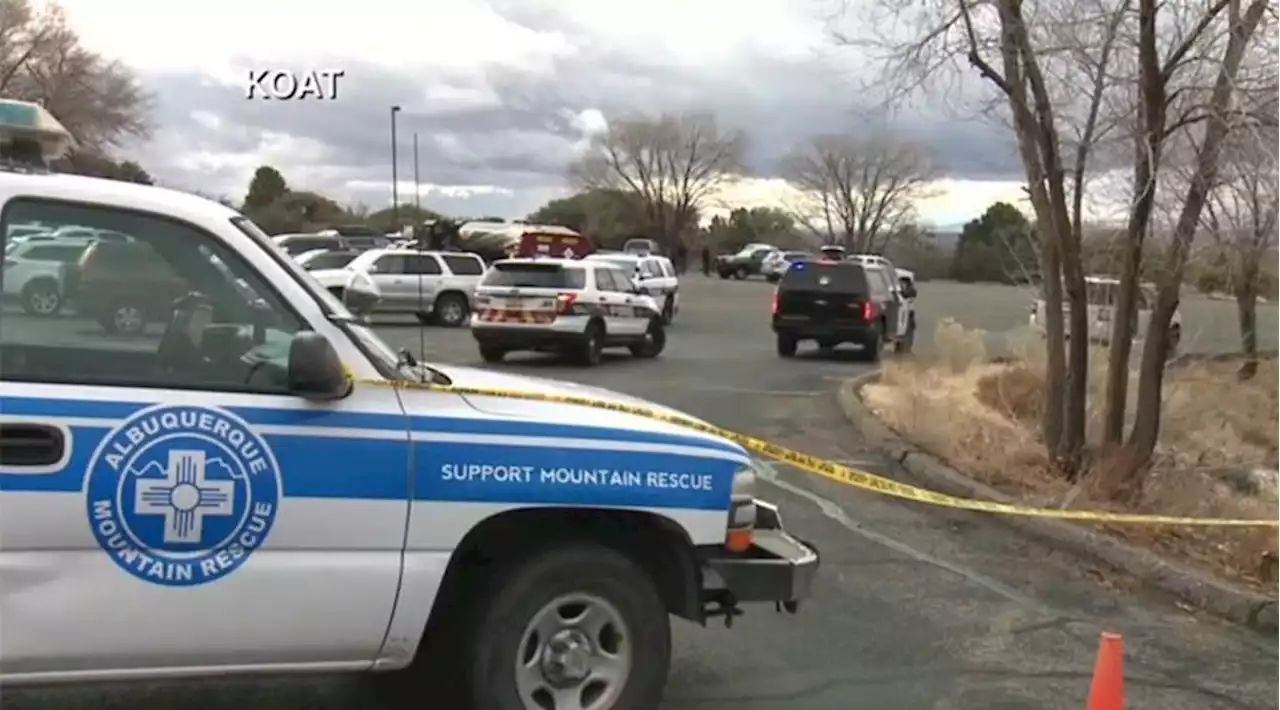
<point>1217,455</point>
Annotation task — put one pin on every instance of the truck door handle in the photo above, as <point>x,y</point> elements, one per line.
<point>31,445</point>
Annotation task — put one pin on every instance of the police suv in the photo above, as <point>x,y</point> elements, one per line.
<point>652,275</point>
<point>262,485</point>
<point>575,308</point>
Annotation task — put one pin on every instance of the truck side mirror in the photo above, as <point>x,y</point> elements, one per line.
<point>315,370</point>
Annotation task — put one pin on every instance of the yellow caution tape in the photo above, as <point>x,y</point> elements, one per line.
<point>832,470</point>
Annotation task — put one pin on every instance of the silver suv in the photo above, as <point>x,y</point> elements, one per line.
<point>33,271</point>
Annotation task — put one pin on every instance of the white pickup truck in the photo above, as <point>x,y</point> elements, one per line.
<point>262,487</point>
<point>436,286</point>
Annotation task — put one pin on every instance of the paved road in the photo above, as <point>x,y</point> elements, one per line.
<point>915,608</point>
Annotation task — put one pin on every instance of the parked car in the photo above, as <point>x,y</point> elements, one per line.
<point>776,263</point>
<point>653,276</point>
<point>324,259</point>
<point>1101,292</point>
<point>125,286</point>
<point>33,269</point>
<point>747,262</point>
<point>435,286</point>
<point>295,244</point>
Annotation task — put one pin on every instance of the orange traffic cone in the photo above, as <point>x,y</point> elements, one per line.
<point>1106,692</point>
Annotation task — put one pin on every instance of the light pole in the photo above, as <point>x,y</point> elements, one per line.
<point>395,177</point>
<point>417,192</point>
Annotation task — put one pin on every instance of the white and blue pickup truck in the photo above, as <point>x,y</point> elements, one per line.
<point>256,486</point>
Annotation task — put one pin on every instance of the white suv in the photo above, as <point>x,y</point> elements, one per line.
<point>575,308</point>
<point>433,285</point>
<point>1100,291</point>
<point>654,275</point>
<point>33,271</point>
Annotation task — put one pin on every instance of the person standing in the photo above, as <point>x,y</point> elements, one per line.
<point>682,257</point>
<point>706,261</point>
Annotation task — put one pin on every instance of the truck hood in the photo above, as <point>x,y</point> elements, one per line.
<point>570,413</point>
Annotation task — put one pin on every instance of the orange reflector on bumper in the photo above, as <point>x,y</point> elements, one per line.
<point>739,540</point>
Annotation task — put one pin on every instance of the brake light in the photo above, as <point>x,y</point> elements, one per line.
<point>481,301</point>
<point>564,303</point>
<point>774,306</point>
<point>868,311</point>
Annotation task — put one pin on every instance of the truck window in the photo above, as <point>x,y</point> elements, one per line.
<point>463,265</point>
<point>174,308</point>
<point>422,265</point>
<point>535,275</point>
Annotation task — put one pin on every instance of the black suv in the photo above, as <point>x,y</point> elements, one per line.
<point>834,302</point>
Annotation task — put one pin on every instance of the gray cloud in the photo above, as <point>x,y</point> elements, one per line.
<point>516,129</point>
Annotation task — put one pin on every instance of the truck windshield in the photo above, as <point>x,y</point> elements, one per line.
<point>382,356</point>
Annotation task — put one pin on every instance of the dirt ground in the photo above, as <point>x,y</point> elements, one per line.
<point>1217,455</point>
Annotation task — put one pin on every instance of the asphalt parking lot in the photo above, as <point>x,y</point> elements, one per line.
<point>916,608</point>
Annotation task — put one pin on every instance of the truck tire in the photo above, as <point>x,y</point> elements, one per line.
<point>558,622</point>
<point>903,345</point>
<point>42,297</point>
<point>786,345</point>
<point>655,340</point>
<point>590,351</point>
<point>126,316</point>
<point>451,310</point>
<point>872,346</point>
<point>492,353</point>
<point>740,273</point>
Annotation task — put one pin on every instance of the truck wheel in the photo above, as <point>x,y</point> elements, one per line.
<point>871,348</point>
<point>724,274</point>
<point>591,350</point>
<point>655,339</point>
<point>41,297</point>
<point>451,310</point>
<point>125,318</point>
<point>786,345</point>
<point>578,626</point>
<point>492,353</point>
<point>740,273</point>
<point>904,344</point>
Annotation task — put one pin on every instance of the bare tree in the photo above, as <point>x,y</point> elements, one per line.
<point>1240,217</point>
<point>673,164</point>
<point>1239,26</point>
<point>1159,70</point>
<point>1053,88</point>
<point>859,190</point>
<point>1181,52</point>
<point>41,60</point>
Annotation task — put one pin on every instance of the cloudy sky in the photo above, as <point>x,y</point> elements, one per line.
<point>501,93</point>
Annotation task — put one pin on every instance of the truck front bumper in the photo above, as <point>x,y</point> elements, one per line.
<point>777,568</point>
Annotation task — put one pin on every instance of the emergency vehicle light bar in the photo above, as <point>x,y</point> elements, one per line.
<point>30,134</point>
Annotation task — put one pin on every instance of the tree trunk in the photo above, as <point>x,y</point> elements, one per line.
<point>1146,425</point>
<point>1247,316</point>
<point>1148,149</point>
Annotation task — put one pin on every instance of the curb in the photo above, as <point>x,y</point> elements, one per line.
<point>1192,586</point>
